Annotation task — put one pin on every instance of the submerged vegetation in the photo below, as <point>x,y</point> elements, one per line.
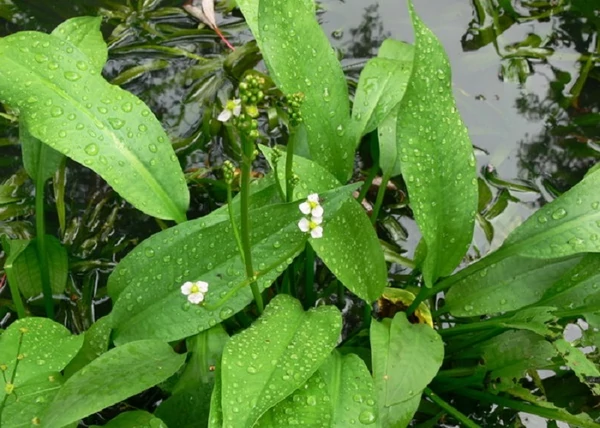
<point>219,246</point>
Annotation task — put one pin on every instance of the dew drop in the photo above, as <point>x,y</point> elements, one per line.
<point>149,252</point>
<point>56,111</point>
<point>127,107</point>
<point>367,417</point>
<point>559,214</point>
<point>81,65</point>
<point>116,123</point>
<point>152,148</point>
<point>72,76</point>
<point>91,149</point>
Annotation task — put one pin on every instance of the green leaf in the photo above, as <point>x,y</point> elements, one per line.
<point>84,32</point>
<point>577,361</point>
<point>350,249</point>
<point>381,86</point>
<point>436,157</point>
<point>534,319</point>
<point>152,306</point>
<point>510,284</point>
<point>65,103</point>
<point>356,258</point>
<point>406,357</point>
<point>189,403</point>
<point>126,370</point>
<point>135,419</point>
<point>339,395</point>
<point>568,225</point>
<point>46,347</point>
<point>509,355</point>
<point>30,399</point>
<point>300,59</point>
<point>350,388</point>
<point>24,268</point>
<point>576,285</point>
<point>95,343</point>
<point>279,352</point>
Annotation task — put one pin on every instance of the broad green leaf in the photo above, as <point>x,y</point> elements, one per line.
<point>509,355</point>
<point>189,404</point>
<point>46,347</point>
<point>577,361</point>
<point>350,388</point>
<point>436,157</point>
<point>338,395</point>
<point>510,284</point>
<point>568,225</point>
<point>84,32</point>
<point>309,405</point>
<point>397,50</point>
<point>381,86</point>
<point>29,400</point>
<point>279,352</point>
<point>65,103</point>
<point>152,306</point>
<point>406,357</point>
<point>24,269</point>
<point>112,377</point>
<point>95,343</point>
<point>576,285</point>
<point>355,258</point>
<point>40,160</point>
<point>300,59</point>
<point>134,419</point>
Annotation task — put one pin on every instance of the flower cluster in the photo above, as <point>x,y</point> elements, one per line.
<point>194,291</point>
<point>314,212</point>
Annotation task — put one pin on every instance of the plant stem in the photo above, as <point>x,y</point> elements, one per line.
<point>248,153</point>
<point>236,232</point>
<point>380,194</point>
<point>289,162</point>
<point>13,375</point>
<point>309,289</point>
<point>15,294</point>
<point>365,188</point>
<point>40,226</point>
<point>340,294</point>
<point>522,406</point>
<point>458,415</point>
<point>471,328</point>
<point>418,299</point>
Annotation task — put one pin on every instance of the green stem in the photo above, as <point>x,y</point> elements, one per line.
<point>457,414</point>
<point>40,226</point>
<point>234,227</point>
<point>368,181</point>
<point>340,294</point>
<point>379,199</point>
<point>248,153</point>
<point>289,162</point>
<point>471,328</point>
<point>394,257</point>
<point>14,292</point>
<point>309,289</point>
<point>522,406</point>
<point>418,299</point>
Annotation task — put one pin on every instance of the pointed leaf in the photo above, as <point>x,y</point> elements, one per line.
<point>111,378</point>
<point>576,360</point>
<point>279,352</point>
<point>40,160</point>
<point>300,59</point>
<point>510,284</point>
<point>568,225</point>
<point>406,357</point>
<point>74,110</point>
<point>134,419</point>
<point>84,32</point>
<point>436,157</point>
<point>95,343</point>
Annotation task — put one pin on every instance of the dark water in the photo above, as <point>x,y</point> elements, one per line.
<point>526,79</point>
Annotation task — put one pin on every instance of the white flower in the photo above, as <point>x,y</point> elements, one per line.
<point>232,108</point>
<point>312,206</point>
<point>194,291</point>
<point>313,226</point>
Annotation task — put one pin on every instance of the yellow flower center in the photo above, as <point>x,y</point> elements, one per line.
<point>230,105</point>
<point>313,205</point>
<point>195,289</point>
<point>312,225</point>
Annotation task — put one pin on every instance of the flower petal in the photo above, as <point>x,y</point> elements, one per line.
<point>304,225</point>
<point>313,197</point>
<point>224,116</point>
<point>305,208</point>
<point>186,288</point>
<point>316,220</point>
<point>317,232</point>
<point>195,298</point>
<point>237,110</point>
<point>317,211</point>
<point>202,286</point>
